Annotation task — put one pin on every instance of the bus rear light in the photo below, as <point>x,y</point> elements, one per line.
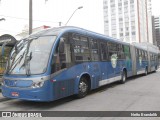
<point>37,84</point>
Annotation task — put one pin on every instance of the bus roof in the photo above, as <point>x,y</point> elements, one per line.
<point>64,29</point>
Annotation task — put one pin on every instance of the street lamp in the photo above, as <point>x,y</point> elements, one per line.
<point>73,14</point>
<point>2,19</point>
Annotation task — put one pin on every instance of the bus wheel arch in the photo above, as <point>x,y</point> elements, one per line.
<point>84,85</point>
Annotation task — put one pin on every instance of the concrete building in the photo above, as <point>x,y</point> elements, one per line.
<point>157,30</point>
<point>128,20</point>
<point>154,32</point>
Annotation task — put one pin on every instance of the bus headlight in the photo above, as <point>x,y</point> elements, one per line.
<point>37,84</point>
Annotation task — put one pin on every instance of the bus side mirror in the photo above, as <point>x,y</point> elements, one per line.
<point>61,46</point>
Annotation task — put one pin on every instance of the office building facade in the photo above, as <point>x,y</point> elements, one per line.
<point>156,22</point>
<point>128,20</point>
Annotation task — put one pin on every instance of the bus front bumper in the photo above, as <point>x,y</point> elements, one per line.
<point>37,94</point>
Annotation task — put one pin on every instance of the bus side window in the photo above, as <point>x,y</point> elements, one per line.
<point>112,49</point>
<point>103,51</point>
<point>137,54</point>
<point>81,50</point>
<point>94,50</point>
<point>62,55</point>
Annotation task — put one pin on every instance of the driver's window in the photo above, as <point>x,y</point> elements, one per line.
<point>62,55</point>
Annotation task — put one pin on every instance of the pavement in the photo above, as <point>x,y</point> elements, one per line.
<point>139,93</point>
<point>1,96</point>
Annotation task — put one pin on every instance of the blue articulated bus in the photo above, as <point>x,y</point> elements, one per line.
<point>60,62</point>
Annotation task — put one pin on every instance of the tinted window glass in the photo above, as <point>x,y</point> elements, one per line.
<point>81,48</point>
<point>103,51</point>
<point>94,50</point>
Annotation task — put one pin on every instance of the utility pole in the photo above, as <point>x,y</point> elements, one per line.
<point>30,17</point>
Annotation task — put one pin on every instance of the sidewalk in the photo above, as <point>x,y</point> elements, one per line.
<point>1,96</point>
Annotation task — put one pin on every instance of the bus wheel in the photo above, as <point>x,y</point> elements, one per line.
<point>146,72</point>
<point>123,77</point>
<point>83,88</point>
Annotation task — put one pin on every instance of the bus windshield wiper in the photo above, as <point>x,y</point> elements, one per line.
<point>28,58</point>
<point>27,63</point>
<point>16,62</point>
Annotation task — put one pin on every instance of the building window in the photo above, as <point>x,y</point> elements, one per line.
<point>121,25</point>
<point>112,1</point>
<point>121,34</point>
<point>119,4</point>
<point>105,2</point>
<point>105,7</point>
<point>121,29</point>
<point>127,33</point>
<point>120,19</point>
<point>127,28</point>
<point>127,24</point>
<point>106,21</point>
<point>131,1</point>
<point>133,28</point>
<point>126,3</point>
<point>113,5</point>
<point>126,9</point>
<point>133,33</point>
<point>133,23</point>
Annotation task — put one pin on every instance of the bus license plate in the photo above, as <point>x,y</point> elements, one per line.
<point>15,94</point>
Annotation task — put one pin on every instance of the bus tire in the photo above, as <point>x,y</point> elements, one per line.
<point>83,87</point>
<point>146,72</point>
<point>123,77</point>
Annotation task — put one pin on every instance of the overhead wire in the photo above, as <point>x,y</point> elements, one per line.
<point>27,19</point>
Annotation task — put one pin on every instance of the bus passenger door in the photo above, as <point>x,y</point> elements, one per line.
<point>61,73</point>
<point>104,59</point>
<point>112,58</point>
<point>95,64</point>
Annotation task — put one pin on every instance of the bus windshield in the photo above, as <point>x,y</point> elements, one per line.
<point>30,56</point>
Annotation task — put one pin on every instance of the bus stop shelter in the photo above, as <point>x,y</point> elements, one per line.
<point>11,41</point>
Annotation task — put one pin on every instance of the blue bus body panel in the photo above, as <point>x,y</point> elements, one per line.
<point>37,94</point>
<point>66,82</point>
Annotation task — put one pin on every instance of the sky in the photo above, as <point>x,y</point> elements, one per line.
<point>16,13</point>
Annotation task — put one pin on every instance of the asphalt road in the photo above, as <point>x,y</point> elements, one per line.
<point>140,93</point>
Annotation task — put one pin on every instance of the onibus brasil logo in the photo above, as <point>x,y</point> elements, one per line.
<point>114,60</point>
